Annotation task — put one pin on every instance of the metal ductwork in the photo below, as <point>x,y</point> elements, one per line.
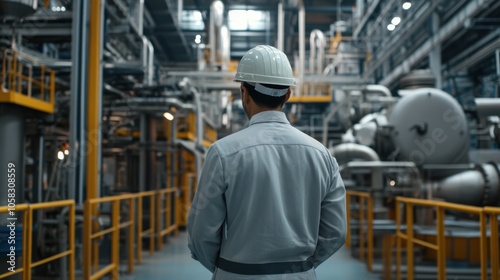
<point>17,9</point>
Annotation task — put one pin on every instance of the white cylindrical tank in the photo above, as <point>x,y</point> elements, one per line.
<point>429,127</point>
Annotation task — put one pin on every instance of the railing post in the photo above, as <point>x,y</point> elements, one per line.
<point>152,223</point>
<point>87,242</point>
<point>361,202</point>
<point>159,222</point>
<point>483,250</point>
<point>348,217</point>
<point>441,244</point>
<point>72,233</point>
<point>115,239</point>
<point>131,238</point>
<point>409,241</point>
<point>26,243</point>
<point>370,233</point>
<point>139,228</point>
<point>494,246</point>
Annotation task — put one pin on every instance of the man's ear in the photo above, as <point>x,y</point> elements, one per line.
<point>287,95</point>
<point>244,95</point>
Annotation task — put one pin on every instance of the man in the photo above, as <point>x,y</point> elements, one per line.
<point>270,202</point>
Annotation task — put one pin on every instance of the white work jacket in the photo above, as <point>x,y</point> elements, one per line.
<point>268,193</point>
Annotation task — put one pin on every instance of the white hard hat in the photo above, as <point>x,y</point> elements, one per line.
<point>265,65</point>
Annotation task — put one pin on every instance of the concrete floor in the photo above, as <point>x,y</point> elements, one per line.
<point>174,262</point>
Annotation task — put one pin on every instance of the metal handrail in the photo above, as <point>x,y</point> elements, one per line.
<point>493,213</point>
<point>166,212</point>
<point>150,232</point>
<point>90,255</point>
<point>27,223</point>
<point>440,246</point>
<point>14,81</point>
<point>364,198</point>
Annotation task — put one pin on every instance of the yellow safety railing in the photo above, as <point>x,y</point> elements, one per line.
<point>166,214</point>
<point>90,247</point>
<point>27,246</point>
<point>150,232</point>
<point>20,208</point>
<point>493,214</point>
<point>440,246</point>
<point>365,203</point>
<point>26,83</point>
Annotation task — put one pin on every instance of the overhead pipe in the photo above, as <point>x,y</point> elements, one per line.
<point>488,106</point>
<point>349,151</point>
<point>383,90</point>
<point>140,103</point>
<point>147,60</point>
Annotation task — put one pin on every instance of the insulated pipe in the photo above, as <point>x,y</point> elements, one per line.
<point>302,47</point>
<point>349,151</point>
<point>151,60</point>
<point>316,41</point>
<point>137,103</point>
<point>474,187</point>
<point>145,60</point>
<point>140,24</point>
<point>225,45</point>
<point>383,90</point>
<point>488,106</point>
<point>281,26</point>
<point>216,16</point>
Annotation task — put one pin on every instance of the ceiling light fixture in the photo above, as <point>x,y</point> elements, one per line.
<point>396,20</point>
<point>168,116</point>
<point>406,5</point>
<point>391,27</point>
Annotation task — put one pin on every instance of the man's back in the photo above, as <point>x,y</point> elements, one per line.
<point>276,178</point>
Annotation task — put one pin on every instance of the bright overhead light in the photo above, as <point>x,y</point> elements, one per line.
<point>406,5</point>
<point>392,183</point>
<point>168,116</point>
<point>197,40</point>
<point>60,155</point>
<point>66,152</point>
<point>63,9</point>
<point>391,27</point>
<point>396,20</point>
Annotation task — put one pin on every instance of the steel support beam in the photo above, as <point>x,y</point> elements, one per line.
<point>444,32</point>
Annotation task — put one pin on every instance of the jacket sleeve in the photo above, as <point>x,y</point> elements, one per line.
<point>208,212</point>
<point>332,228</point>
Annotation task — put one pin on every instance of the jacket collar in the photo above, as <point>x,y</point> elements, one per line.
<point>268,116</point>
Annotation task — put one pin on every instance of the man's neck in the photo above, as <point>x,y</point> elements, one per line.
<point>259,109</point>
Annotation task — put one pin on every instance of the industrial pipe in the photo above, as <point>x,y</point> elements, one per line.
<point>488,107</point>
<point>349,151</point>
<point>281,27</point>
<point>316,41</point>
<point>216,20</point>
<point>140,104</point>
<point>472,187</point>
<point>383,90</point>
<point>302,47</point>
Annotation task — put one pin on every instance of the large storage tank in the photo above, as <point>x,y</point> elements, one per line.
<point>430,127</point>
<point>16,9</point>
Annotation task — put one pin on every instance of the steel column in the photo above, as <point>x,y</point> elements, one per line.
<point>78,100</point>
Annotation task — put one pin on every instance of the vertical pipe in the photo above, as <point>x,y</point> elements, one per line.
<point>151,61</point>
<point>302,46</point>
<point>179,10</point>
<point>78,101</point>
<point>93,98</point>
<point>12,128</point>
<point>142,151</point>
<point>435,54</point>
<point>497,58</point>
<point>140,15</point>
<point>281,26</point>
